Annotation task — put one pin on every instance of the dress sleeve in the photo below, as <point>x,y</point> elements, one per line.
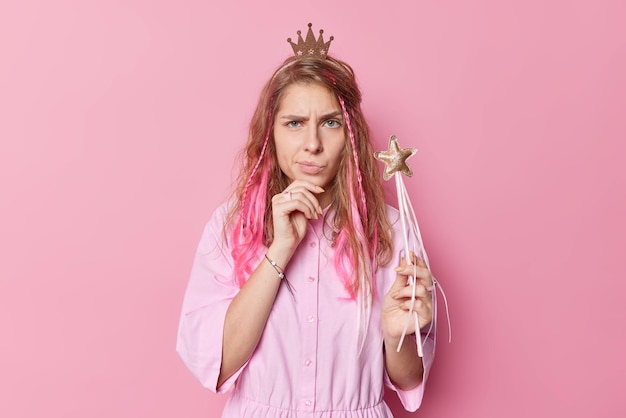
<point>209,292</point>
<point>412,399</point>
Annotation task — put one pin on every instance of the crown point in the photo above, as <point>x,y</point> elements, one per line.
<point>310,24</point>
<point>288,39</point>
<point>331,38</point>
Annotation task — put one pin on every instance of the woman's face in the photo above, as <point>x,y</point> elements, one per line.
<point>309,135</point>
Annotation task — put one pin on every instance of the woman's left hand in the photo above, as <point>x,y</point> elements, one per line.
<point>397,302</point>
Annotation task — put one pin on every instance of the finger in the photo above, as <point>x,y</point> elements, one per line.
<point>288,209</point>
<point>403,260</point>
<point>301,185</point>
<point>297,192</point>
<point>304,191</point>
<point>287,203</point>
<point>421,292</point>
<point>420,271</point>
<point>423,308</point>
<point>400,283</point>
<point>418,305</point>
<point>307,198</point>
<point>307,184</point>
<point>404,270</point>
<point>414,271</point>
<point>307,195</point>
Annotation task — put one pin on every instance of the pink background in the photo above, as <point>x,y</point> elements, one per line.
<point>119,123</point>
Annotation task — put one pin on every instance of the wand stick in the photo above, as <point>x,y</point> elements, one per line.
<point>395,165</point>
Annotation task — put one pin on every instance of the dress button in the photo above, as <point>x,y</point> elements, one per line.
<point>308,363</point>
<point>311,279</point>
<point>308,403</point>
<point>310,318</point>
<point>312,245</point>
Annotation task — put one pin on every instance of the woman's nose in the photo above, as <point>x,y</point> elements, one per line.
<point>313,141</point>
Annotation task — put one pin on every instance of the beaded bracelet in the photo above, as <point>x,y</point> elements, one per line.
<point>281,274</point>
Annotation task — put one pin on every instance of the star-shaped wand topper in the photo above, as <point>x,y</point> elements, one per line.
<point>395,158</point>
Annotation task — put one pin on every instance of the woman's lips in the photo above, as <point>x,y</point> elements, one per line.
<point>309,167</point>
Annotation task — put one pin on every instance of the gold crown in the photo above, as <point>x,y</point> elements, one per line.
<point>310,47</point>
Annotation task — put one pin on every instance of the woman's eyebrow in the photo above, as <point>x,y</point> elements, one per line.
<point>330,115</point>
<point>294,117</point>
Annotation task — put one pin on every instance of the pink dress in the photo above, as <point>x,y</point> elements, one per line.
<point>306,363</point>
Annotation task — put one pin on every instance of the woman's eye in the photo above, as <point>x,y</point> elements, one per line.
<point>333,123</point>
<point>293,124</point>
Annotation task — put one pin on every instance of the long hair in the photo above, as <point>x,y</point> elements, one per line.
<point>361,236</point>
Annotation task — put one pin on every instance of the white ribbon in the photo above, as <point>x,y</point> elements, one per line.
<point>412,232</point>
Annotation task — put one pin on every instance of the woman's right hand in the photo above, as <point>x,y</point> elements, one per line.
<point>251,307</point>
<point>291,211</point>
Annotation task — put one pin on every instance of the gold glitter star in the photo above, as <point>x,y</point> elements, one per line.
<point>395,158</point>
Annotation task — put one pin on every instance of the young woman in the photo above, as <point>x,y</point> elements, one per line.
<point>298,295</point>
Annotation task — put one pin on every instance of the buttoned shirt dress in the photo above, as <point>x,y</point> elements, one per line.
<point>307,362</point>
